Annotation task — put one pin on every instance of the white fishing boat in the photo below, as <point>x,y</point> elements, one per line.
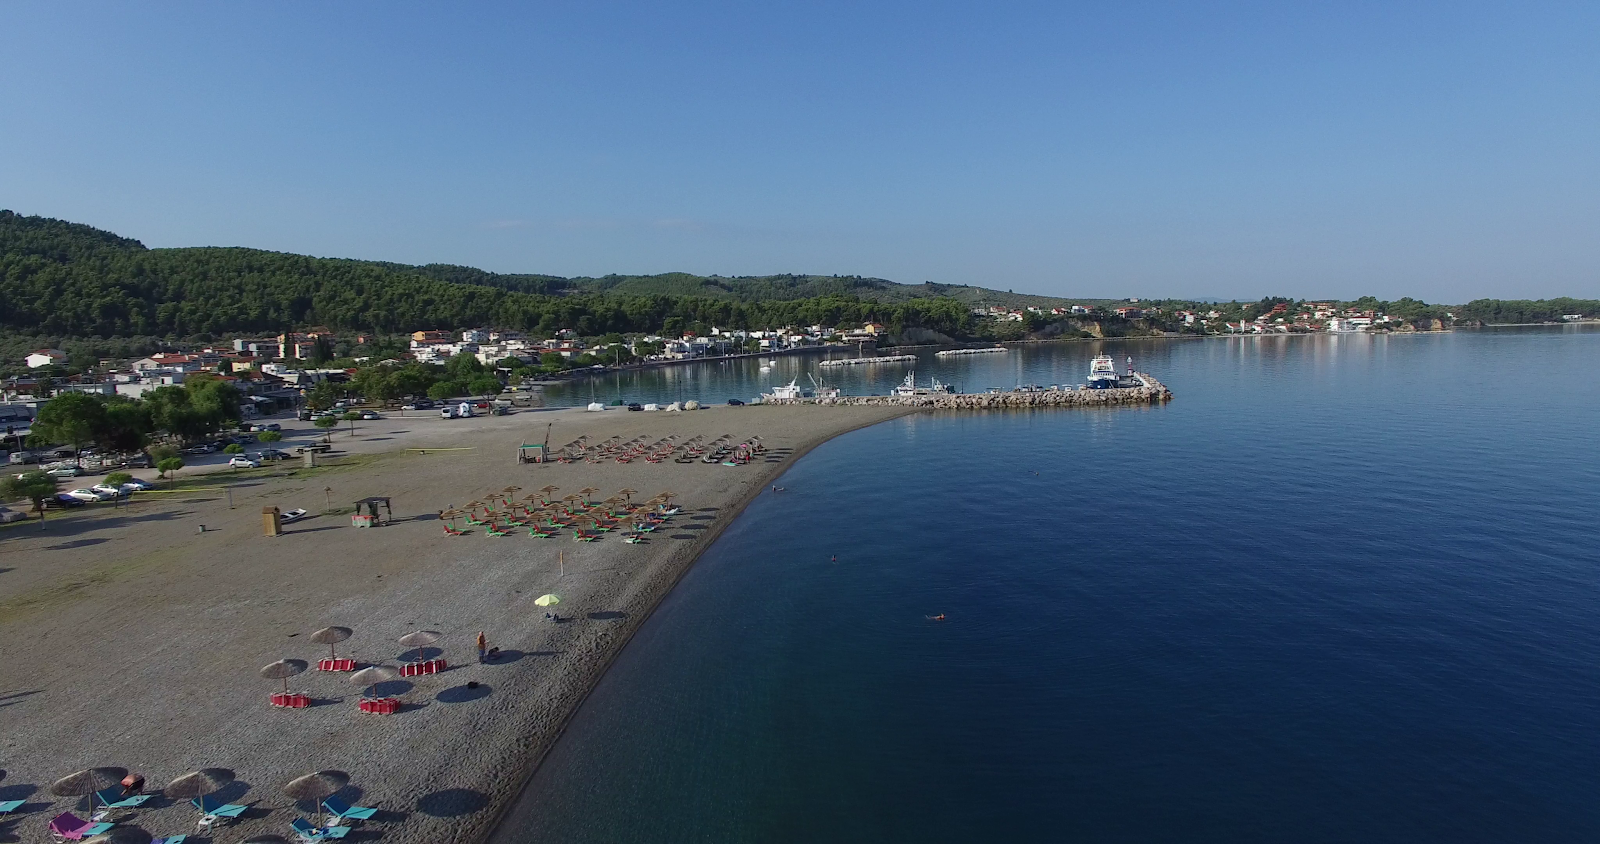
<point>786,392</point>
<point>909,387</point>
<point>1102,373</point>
<point>823,391</point>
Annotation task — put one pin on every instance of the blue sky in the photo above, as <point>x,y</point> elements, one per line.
<point>1440,150</point>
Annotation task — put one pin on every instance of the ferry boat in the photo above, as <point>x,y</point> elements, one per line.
<point>1102,373</point>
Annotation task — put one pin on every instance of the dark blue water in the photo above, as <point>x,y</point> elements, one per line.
<point>1340,589</point>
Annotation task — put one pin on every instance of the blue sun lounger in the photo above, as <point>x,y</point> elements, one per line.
<point>209,805</point>
<point>111,798</point>
<point>9,806</point>
<point>171,839</point>
<point>346,812</point>
<point>309,833</point>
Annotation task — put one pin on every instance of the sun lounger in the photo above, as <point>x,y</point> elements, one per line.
<point>111,798</point>
<point>309,833</point>
<point>344,811</point>
<point>9,806</point>
<point>492,532</point>
<point>336,664</point>
<point>171,839</point>
<point>211,806</point>
<point>69,827</point>
<point>450,531</point>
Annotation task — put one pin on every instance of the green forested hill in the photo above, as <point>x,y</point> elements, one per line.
<point>66,279</point>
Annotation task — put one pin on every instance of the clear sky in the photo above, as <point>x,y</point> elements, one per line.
<point>1441,150</point>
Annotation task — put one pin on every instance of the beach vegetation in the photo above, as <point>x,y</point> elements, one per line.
<point>326,423</point>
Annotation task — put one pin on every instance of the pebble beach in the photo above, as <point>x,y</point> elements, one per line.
<point>130,638</point>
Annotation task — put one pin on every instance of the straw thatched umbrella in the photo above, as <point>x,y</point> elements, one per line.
<point>545,491</point>
<point>121,835</point>
<point>317,786</point>
<point>197,784</point>
<point>511,490</point>
<point>666,495</point>
<point>627,492</point>
<point>331,636</point>
<point>451,515</point>
<point>586,492</point>
<point>371,676</point>
<point>420,638</point>
<point>87,781</point>
<point>283,669</point>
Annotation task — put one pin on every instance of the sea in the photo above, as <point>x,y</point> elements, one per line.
<point>1340,589</point>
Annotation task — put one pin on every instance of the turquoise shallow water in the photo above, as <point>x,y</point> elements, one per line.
<point>1339,589</point>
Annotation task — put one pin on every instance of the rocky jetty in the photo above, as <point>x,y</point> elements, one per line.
<point>1150,391</point>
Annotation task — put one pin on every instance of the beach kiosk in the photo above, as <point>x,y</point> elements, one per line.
<point>372,517</point>
<point>533,453</point>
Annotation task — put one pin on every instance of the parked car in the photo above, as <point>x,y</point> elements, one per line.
<point>62,500</point>
<point>304,416</point>
<point>139,483</point>
<point>271,454</point>
<point>735,403</point>
<point>419,404</point>
<point>239,461</point>
<point>369,415</point>
<point>65,472</point>
<point>138,461</point>
<point>272,426</point>
<point>8,515</point>
<point>202,448</point>
<point>636,406</point>
<point>108,489</point>
<point>89,495</point>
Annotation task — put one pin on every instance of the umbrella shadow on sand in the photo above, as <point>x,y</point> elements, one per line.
<point>465,693</point>
<point>505,657</point>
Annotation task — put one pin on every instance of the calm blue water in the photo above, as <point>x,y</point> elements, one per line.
<point>1340,589</point>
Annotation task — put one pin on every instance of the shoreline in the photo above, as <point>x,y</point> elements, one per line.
<point>731,512</point>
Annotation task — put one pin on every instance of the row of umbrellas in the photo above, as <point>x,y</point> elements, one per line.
<point>314,786</point>
<point>367,677</point>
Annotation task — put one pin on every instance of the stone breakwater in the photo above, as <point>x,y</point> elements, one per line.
<point>1150,391</point>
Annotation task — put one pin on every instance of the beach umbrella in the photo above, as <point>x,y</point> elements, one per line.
<point>331,636</point>
<point>283,669</point>
<point>198,783</point>
<point>121,835</point>
<point>420,638</point>
<point>547,600</point>
<point>451,516</point>
<point>512,490</point>
<point>586,492</point>
<point>317,786</point>
<point>666,495</point>
<point>627,492</point>
<point>371,676</point>
<point>87,781</point>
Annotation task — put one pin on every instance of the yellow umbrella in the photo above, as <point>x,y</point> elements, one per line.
<point>547,600</point>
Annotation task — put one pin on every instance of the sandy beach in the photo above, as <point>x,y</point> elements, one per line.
<point>129,638</point>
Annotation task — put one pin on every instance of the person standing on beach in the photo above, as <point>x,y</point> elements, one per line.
<point>483,646</point>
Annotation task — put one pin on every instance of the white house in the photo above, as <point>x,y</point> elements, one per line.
<point>45,357</point>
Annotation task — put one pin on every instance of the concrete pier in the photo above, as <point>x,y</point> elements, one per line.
<point>1149,391</point>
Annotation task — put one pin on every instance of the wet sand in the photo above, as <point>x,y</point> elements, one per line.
<point>128,638</point>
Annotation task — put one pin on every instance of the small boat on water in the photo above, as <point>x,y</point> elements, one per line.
<point>789,391</point>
